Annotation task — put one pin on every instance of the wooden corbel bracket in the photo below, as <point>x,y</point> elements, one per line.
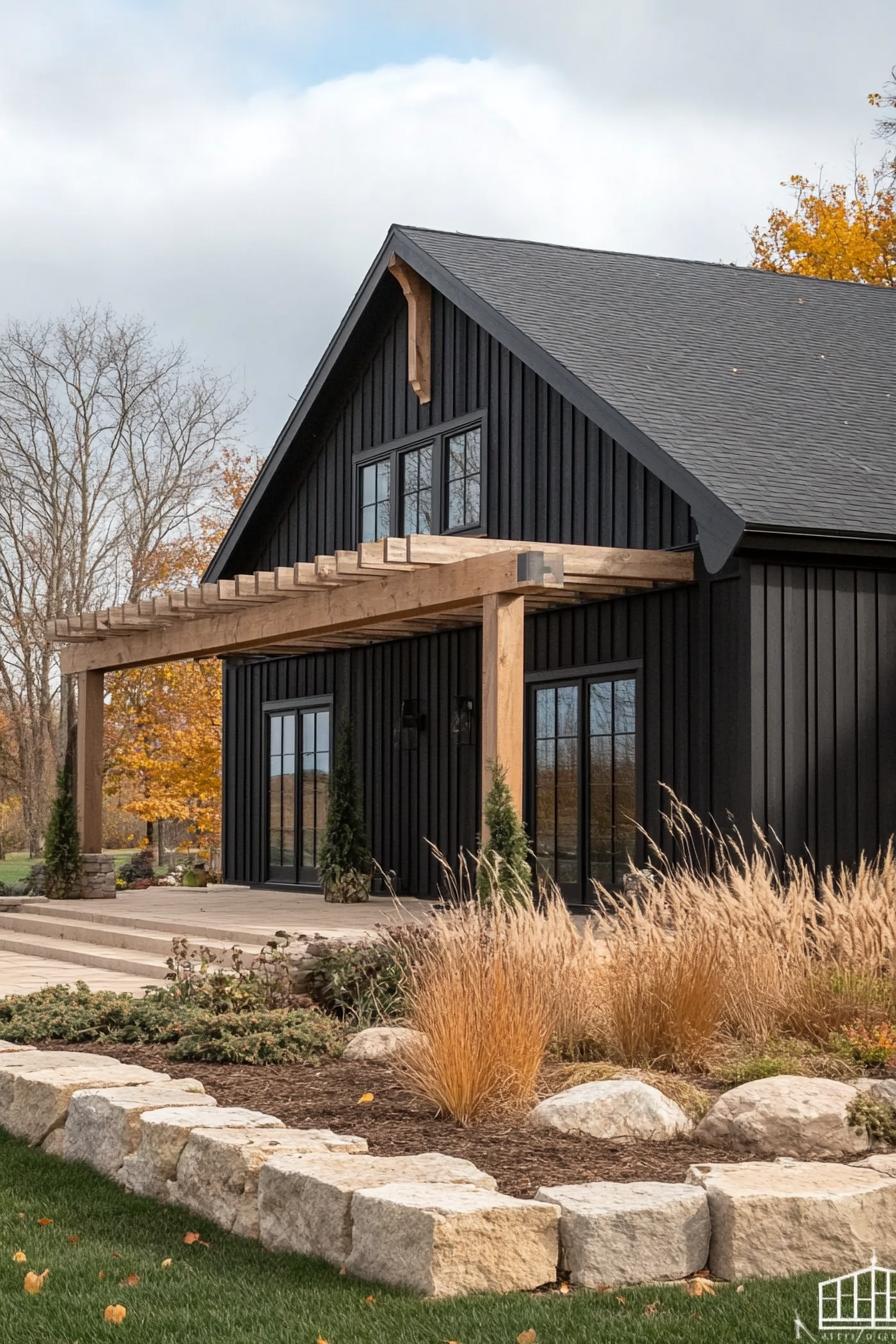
<point>418,293</point>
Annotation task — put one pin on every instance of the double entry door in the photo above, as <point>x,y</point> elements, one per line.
<point>298,777</point>
<point>582,789</point>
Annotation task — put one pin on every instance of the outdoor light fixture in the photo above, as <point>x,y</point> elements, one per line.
<point>411,724</point>
<point>462,720</point>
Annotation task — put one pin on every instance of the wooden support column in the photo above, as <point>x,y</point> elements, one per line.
<point>89,761</point>
<point>503,634</point>
<point>418,294</point>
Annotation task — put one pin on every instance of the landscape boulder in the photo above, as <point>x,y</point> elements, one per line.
<point>103,1125</point>
<point>879,1089</point>
<point>379,1043</point>
<point>218,1170</point>
<point>621,1109</point>
<point>12,1048</point>
<point>305,1203</point>
<point>38,1099</point>
<point>883,1163</point>
<point>442,1240</point>
<point>772,1219</point>
<point>630,1232</point>
<point>163,1137</point>
<point>786,1116</point>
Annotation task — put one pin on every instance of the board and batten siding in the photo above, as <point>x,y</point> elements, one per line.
<point>684,645</point>
<point>823,706</point>
<point>551,475</point>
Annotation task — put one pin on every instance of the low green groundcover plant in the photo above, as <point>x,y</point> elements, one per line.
<point>104,1248</point>
<point>198,1028</point>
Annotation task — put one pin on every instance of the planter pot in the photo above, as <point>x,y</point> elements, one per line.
<point>348,889</point>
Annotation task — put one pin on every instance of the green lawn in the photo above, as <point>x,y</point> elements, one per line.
<point>233,1292</point>
<point>16,866</point>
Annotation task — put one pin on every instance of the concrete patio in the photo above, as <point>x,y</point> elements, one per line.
<point>123,944</point>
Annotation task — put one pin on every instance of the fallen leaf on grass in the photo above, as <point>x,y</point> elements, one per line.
<point>320,1340</point>
<point>131,1281</point>
<point>651,1309</point>
<point>20,1257</point>
<point>620,1300</point>
<point>116,1255</point>
<point>45,1222</point>
<point>369,1301</point>
<point>167,1262</point>
<point>699,1287</point>
<point>115,1313</point>
<point>193,1239</point>
<point>33,1283</point>
<point>563,1288</point>
<point>526,1337</point>
<point>739,1288</point>
<point>73,1239</point>
<point>364,1098</point>
<point>101,1275</point>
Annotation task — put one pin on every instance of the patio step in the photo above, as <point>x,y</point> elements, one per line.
<point>134,937</point>
<point>75,954</point>
<point>73,911</point>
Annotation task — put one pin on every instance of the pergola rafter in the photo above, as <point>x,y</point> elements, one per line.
<point>391,589</point>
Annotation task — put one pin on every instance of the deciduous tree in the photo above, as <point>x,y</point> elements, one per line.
<point>106,443</point>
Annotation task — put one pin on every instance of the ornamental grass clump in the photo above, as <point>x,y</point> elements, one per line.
<point>729,948</point>
<point>494,986</point>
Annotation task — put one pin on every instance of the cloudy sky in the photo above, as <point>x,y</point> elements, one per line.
<point>228,169</point>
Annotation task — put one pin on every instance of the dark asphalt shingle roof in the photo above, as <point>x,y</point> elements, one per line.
<point>776,392</point>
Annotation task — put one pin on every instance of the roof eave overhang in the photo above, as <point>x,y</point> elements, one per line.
<point>719,528</point>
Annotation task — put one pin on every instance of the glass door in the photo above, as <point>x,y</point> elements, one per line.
<point>298,760</point>
<point>582,781</point>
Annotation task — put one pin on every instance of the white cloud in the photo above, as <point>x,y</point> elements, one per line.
<point>243,220</point>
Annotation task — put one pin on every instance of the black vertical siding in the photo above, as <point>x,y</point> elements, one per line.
<point>823,706</point>
<point>551,474</point>
<point>687,645</point>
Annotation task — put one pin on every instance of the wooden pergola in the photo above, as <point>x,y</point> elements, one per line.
<point>390,589</point>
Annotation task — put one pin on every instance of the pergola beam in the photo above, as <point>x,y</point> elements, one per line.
<point>383,600</point>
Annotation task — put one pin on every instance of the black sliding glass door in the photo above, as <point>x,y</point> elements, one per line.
<point>298,762</point>
<point>582,780</point>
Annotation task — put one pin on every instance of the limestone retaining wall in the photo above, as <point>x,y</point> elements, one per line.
<point>428,1221</point>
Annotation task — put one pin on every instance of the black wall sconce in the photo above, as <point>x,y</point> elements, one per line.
<point>462,720</point>
<point>410,725</point>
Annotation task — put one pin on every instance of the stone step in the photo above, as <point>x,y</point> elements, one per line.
<point>170,924</point>
<point>132,936</point>
<point>126,960</point>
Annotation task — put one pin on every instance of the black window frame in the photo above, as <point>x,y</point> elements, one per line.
<point>394,452</point>
<point>300,876</point>
<point>581,894</point>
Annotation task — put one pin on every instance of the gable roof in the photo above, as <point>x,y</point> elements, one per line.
<point>767,401</point>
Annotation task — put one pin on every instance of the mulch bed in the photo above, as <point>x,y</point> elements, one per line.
<point>326,1095</point>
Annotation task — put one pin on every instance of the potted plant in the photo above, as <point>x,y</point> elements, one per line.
<point>345,860</point>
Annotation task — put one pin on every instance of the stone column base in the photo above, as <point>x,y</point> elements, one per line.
<point>97,877</point>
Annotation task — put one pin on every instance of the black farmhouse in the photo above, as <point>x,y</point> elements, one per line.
<point>742,424</point>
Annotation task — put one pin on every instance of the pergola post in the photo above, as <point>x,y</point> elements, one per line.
<point>89,761</point>
<point>503,634</point>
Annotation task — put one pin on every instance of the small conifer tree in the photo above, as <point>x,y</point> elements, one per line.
<point>504,871</point>
<point>345,859</point>
<point>62,848</point>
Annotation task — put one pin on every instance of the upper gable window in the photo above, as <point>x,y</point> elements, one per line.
<point>463,471</point>
<point>429,484</point>
<point>376,499</point>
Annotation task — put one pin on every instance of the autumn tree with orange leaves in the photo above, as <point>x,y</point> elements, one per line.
<point>163,723</point>
<point>838,231</point>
